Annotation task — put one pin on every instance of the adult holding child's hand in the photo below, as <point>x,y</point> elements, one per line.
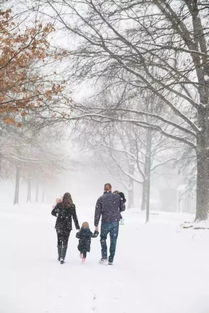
<point>108,207</point>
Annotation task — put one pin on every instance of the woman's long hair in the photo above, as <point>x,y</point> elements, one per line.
<point>67,201</point>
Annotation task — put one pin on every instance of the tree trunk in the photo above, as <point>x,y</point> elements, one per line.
<point>147,172</point>
<point>131,185</point>
<point>130,194</point>
<point>0,164</point>
<point>37,192</point>
<point>202,193</point>
<point>29,190</point>
<point>43,195</point>
<point>143,201</point>
<point>17,185</point>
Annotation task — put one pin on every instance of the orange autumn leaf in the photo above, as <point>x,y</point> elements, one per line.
<point>9,121</point>
<point>21,88</point>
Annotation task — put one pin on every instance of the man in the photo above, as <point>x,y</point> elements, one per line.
<point>108,207</point>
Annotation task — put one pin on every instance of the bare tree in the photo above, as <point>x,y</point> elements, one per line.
<point>163,47</point>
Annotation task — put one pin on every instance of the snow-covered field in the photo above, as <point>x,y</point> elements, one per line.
<point>159,267</point>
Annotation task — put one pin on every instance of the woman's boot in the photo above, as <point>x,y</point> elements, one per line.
<point>59,252</point>
<point>62,254</point>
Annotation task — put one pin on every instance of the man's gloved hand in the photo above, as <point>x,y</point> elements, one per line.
<point>95,234</point>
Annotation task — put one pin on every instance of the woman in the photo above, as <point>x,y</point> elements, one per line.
<point>64,211</point>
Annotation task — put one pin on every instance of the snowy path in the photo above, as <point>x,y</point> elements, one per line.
<point>159,268</point>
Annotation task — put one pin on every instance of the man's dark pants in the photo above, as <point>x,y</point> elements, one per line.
<point>111,228</point>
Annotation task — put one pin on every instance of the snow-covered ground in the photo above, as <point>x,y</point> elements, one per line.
<point>159,267</point>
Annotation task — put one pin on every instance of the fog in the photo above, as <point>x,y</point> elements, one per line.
<point>84,175</point>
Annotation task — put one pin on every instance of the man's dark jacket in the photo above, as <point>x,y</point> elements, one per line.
<point>64,217</point>
<point>108,206</point>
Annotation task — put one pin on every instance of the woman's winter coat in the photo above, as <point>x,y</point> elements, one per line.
<point>64,217</point>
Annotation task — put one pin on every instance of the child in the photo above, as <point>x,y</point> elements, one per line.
<point>58,200</point>
<point>84,236</point>
<point>122,196</point>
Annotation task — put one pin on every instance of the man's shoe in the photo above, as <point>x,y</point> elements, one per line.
<point>103,261</point>
<point>61,261</point>
<point>110,263</point>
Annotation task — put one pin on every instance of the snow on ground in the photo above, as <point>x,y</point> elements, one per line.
<point>159,267</point>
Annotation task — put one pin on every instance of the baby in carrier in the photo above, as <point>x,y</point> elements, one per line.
<point>122,196</point>
<point>84,235</point>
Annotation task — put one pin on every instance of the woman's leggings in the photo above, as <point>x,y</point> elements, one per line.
<point>62,238</point>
